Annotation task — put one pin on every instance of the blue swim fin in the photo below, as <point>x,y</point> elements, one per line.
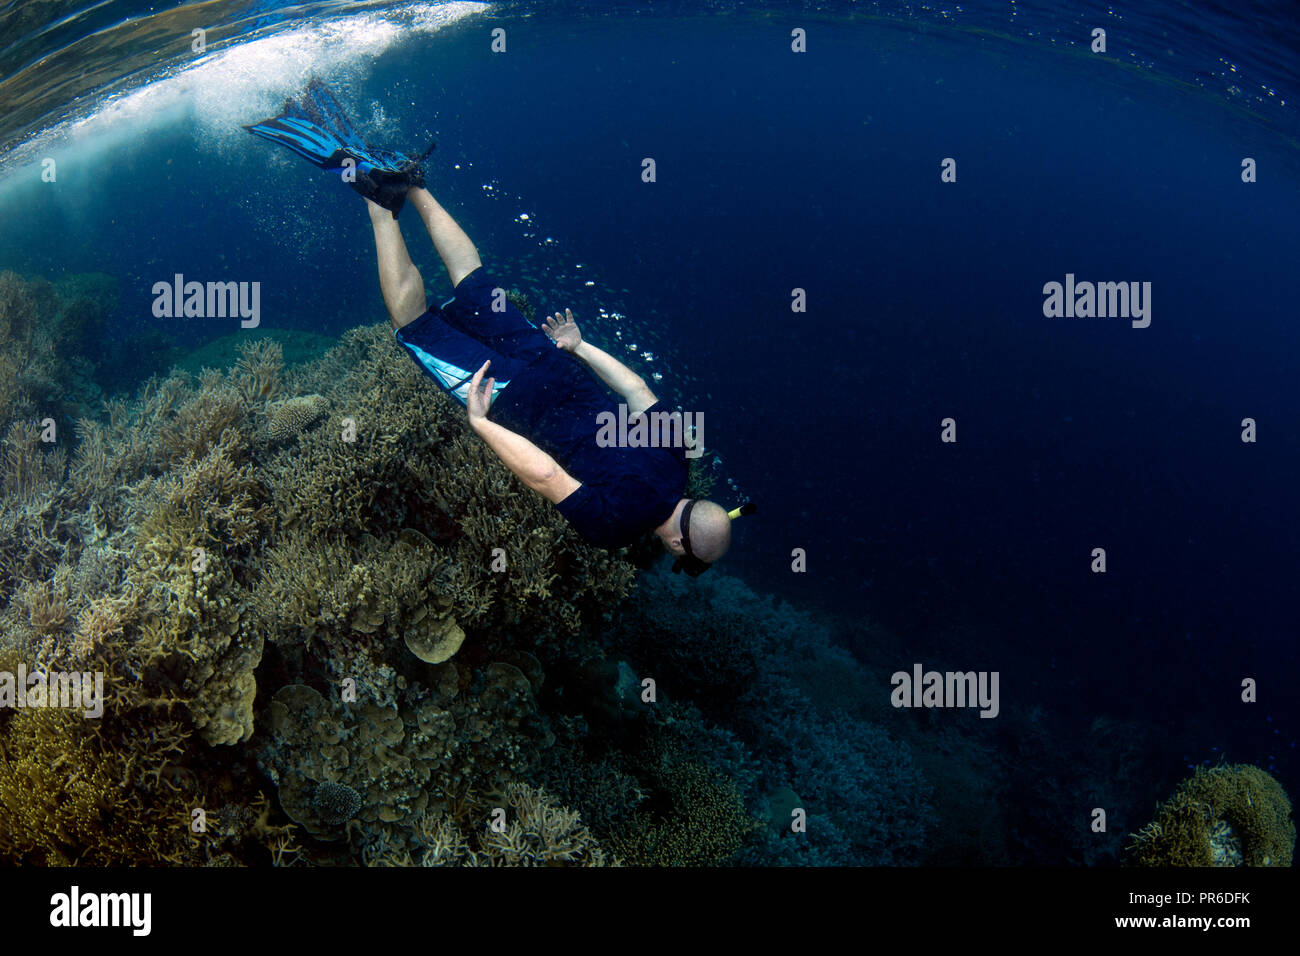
<point>315,127</point>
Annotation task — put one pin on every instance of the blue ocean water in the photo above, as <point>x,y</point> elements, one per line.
<point>818,171</point>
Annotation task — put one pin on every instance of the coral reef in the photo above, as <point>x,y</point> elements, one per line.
<point>1230,815</point>
<point>397,455</point>
<point>336,515</point>
<point>329,618</point>
<point>742,660</point>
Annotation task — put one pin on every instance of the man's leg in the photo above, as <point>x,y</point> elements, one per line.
<point>457,251</point>
<point>399,280</point>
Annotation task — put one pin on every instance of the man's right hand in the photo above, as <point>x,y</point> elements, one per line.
<point>479,399</point>
<point>564,331</point>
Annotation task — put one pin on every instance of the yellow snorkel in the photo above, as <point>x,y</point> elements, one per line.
<point>748,508</point>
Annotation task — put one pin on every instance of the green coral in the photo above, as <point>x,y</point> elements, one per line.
<point>1230,815</point>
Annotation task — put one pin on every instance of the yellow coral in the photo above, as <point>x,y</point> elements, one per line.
<point>706,825</point>
<point>1231,815</point>
<point>93,793</point>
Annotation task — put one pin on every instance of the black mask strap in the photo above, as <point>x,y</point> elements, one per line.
<point>686,527</point>
<point>689,562</point>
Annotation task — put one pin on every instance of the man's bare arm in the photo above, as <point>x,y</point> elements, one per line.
<point>538,470</point>
<point>533,466</point>
<point>564,331</point>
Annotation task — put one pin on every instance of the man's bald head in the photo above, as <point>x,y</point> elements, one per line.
<point>710,531</point>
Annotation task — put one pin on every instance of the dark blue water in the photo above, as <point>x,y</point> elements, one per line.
<point>821,171</point>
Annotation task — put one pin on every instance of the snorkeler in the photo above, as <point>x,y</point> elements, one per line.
<point>528,391</point>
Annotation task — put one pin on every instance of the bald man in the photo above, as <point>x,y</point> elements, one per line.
<point>535,395</point>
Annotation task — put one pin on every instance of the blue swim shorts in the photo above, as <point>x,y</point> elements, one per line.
<point>451,341</point>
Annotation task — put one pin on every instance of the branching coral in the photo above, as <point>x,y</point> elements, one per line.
<point>258,371</point>
<point>29,467</point>
<point>313,587</point>
<point>208,417</point>
<point>525,827</point>
<point>101,792</point>
<point>30,539</point>
<point>103,618</point>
